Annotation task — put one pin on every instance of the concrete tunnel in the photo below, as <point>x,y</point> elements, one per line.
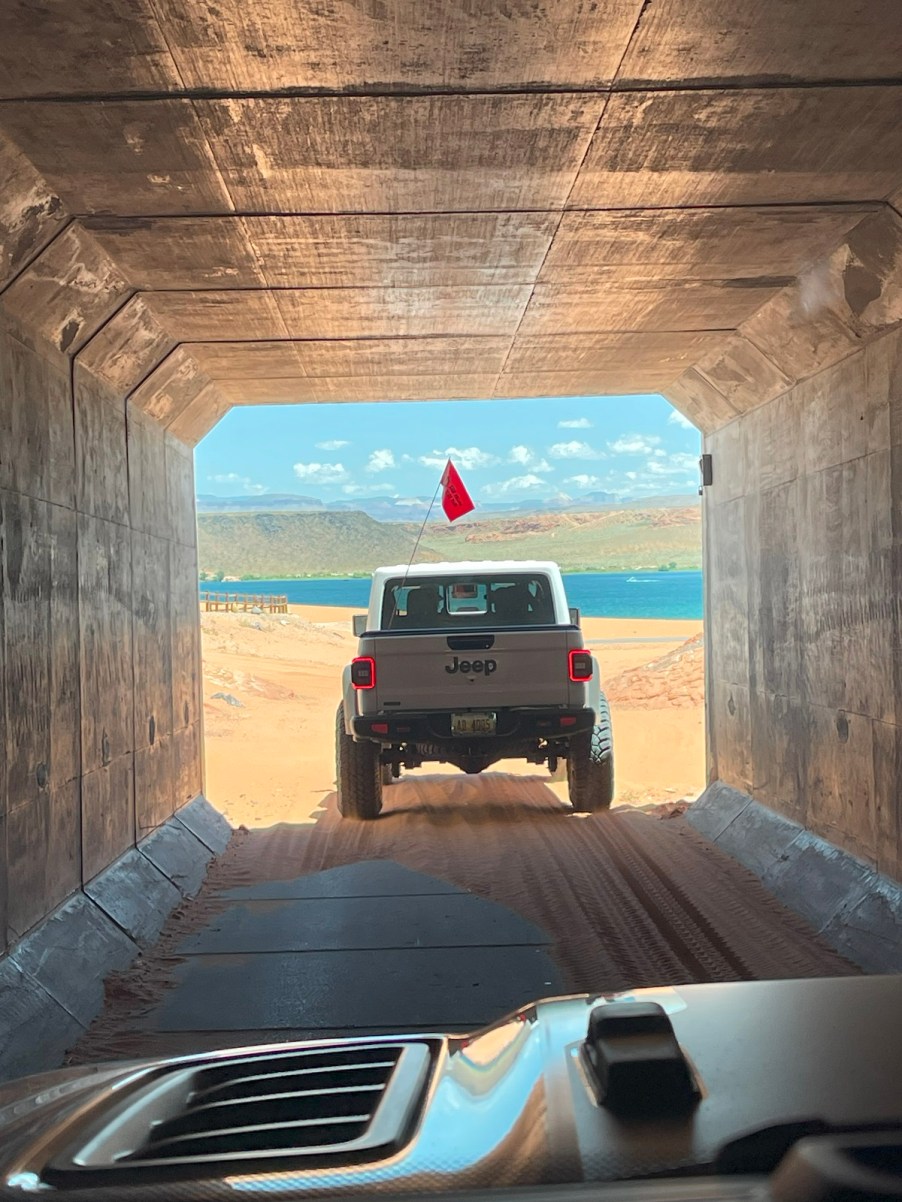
<point>257,203</point>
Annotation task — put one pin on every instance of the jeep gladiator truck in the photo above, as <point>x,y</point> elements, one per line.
<point>469,664</point>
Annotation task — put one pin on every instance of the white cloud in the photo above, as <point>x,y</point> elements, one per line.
<point>527,483</point>
<point>381,461</point>
<point>526,457</point>
<point>578,423</point>
<point>634,444</point>
<point>656,475</point>
<point>321,473</point>
<point>369,490</point>
<point>678,419</point>
<point>584,481</point>
<point>674,465</point>
<point>574,450</point>
<point>244,482</point>
<point>333,444</point>
<point>465,458</point>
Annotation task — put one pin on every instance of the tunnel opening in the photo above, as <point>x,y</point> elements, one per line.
<point>297,505</point>
<point>620,204</point>
<point>112,374</point>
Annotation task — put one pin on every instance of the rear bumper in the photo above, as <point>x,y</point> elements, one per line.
<point>520,724</point>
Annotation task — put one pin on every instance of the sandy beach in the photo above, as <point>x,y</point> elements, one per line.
<point>272,684</point>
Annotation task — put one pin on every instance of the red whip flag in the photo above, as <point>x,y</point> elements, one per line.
<point>456,500</point>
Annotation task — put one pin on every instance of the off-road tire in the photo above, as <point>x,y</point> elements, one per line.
<point>590,765</point>
<point>388,777</point>
<point>358,774</point>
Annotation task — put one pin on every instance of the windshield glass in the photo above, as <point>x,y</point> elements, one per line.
<point>442,602</point>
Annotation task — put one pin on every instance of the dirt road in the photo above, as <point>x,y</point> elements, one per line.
<point>501,893</point>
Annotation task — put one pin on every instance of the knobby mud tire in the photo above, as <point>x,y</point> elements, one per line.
<point>358,774</point>
<point>590,766</point>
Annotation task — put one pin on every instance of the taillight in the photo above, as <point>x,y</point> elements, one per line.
<point>580,665</point>
<point>363,672</point>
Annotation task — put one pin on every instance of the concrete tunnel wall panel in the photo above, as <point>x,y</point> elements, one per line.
<point>101,734</point>
<point>805,623</point>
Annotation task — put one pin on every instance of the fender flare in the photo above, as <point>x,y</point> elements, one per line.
<point>594,693</point>
<point>349,698</point>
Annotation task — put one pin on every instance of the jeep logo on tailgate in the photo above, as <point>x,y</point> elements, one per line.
<point>466,666</point>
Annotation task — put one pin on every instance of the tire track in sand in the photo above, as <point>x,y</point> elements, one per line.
<point>628,900</point>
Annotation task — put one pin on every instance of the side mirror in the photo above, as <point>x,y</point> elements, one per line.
<point>574,615</point>
<point>358,624</point>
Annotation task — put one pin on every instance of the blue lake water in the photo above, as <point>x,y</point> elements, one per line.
<point>597,594</point>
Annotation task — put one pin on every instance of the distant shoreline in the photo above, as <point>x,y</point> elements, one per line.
<point>213,584</point>
<point>640,593</point>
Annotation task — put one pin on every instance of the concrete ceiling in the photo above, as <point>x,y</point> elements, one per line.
<point>263,201</point>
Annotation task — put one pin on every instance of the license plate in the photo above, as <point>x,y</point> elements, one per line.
<point>472,724</point>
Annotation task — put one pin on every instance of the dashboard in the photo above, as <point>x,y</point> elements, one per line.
<point>741,1090</point>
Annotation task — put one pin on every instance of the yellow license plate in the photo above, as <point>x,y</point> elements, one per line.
<point>472,724</point>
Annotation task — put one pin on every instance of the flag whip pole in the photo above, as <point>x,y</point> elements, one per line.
<point>413,553</point>
<point>417,543</point>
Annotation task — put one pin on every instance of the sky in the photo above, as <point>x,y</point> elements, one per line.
<point>505,450</point>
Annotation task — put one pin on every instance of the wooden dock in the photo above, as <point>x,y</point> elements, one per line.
<point>243,603</point>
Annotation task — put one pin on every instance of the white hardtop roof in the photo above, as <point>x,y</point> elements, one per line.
<point>470,566</point>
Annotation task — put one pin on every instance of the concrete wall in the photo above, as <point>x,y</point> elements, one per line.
<point>803,534</point>
<point>100,737</point>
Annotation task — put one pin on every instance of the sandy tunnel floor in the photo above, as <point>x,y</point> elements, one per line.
<point>623,899</point>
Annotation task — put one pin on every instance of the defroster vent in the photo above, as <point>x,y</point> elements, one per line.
<point>321,1106</point>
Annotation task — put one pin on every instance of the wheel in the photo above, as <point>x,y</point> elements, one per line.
<point>388,775</point>
<point>358,774</point>
<point>590,765</point>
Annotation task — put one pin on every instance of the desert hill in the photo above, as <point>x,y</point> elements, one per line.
<point>611,540</point>
<point>284,545</point>
<point>275,546</point>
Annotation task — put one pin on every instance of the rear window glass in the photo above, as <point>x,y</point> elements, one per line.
<point>441,603</point>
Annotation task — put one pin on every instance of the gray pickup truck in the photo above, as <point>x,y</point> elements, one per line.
<point>469,664</point>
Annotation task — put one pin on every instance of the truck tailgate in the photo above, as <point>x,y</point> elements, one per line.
<point>437,671</point>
